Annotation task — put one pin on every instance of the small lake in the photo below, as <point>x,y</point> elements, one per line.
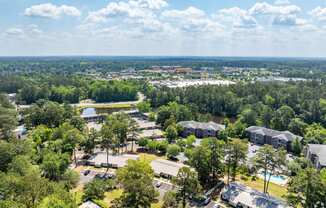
<point>95,111</point>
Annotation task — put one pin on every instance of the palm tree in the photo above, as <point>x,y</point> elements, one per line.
<point>106,141</point>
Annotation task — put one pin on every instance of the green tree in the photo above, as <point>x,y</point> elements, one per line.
<point>271,161</point>
<point>54,165</point>
<point>70,179</point>
<point>173,151</point>
<point>143,142</point>
<point>296,146</point>
<point>58,201</point>
<point>235,154</point>
<point>171,133</point>
<point>315,134</point>
<point>199,159</point>
<point>307,189</point>
<point>222,135</point>
<point>137,181</point>
<point>73,139</point>
<point>144,107</point>
<point>8,122</point>
<point>190,140</point>
<point>134,131</point>
<point>106,141</point>
<point>94,190</point>
<point>297,126</point>
<point>249,117</point>
<point>283,117</point>
<point>170,200</point>
<point>78,123</point>
<point>187,185</point>
<point>89,144</point>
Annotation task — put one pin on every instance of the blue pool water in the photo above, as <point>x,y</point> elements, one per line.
<point>274,179</point>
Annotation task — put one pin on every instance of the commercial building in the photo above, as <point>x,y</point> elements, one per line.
<point>115,161</point>
<point>166,168</point>
<point>200,129</point>
<point>316,153</point>
<point>261,135</point>
<point>237,195</point>
<point>190,82</point>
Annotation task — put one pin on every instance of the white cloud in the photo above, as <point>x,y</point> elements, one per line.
<point>189,13</point>
<point>51,11</point>
<point>14,32</point>
<point>151,4</point>
<point>319,13</point>
<point>31,31</point>
<point>130,18</point>
<point>237,17</point>
<point>263,8</point>
<point>191,19</point>
<point>282,2</point>
<point>131,9</point>
<point>288,20</point>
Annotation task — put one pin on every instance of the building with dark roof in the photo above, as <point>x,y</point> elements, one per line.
<point>261,135</point>
<point>316,153</point>
<point>200,129</point>
<point>238,195</point>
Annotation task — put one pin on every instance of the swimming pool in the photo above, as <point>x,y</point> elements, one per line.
<point>274,179</point>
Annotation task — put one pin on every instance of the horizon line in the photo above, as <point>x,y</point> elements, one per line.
<point>159,56</point>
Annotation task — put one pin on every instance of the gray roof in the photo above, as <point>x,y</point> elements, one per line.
<point>320,151</point>
<point>99,159</point>
<point>285,135</point>
<point>240,194</point>
<point>166,167</point>
<point>202,125</point>
<point>89,204</point>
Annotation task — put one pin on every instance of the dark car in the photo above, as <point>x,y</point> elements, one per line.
<point>87,172</point>
<point>99,176</point>
<point>105,176</point>
<point>158,184</point>
<point>202,200</point>
<point>205,201</point>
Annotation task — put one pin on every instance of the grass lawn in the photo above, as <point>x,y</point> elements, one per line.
<point>149,157</point>
<point>273,189</point>
<point>106,106</point>
<point>78,195</point>
<point>110,196</point>
<point>157,205</point>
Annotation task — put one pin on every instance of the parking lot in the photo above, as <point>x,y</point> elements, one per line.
<point>162,187</point>
<point>88,175</point>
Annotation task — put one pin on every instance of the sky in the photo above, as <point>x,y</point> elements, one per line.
<point>271,28</point>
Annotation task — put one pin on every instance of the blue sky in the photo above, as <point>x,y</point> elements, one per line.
<point>294,28</point>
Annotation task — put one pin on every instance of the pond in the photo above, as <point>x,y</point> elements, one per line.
<point>96,111</point>
<point>88,112</point>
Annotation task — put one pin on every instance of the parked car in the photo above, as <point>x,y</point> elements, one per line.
<point>87,172</point>
<point>158,184</point>
<point>202,200</point>
<point>105,176</point>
